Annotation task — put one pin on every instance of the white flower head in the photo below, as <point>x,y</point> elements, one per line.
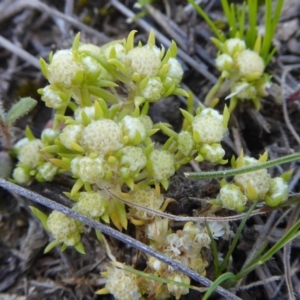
<point>88,110</point>
<point>64,228</point>
<point>163,164</point>
<point>259,180</point>
<point>122,285</point>
<point>134,129</point>
<point>29,153</point>
<point>132,160</point>
<point>63,68</point>
<point>51,95</point>
<point>153,90</point>
<point>71,134</point>
<point>251,65</point>
<point>102,136</point>
<point>231,197</point>
<point>175,71</point>
<point>234,45</point>
<point>143,61</point>
<point>208,127</point>
<point>224,62</point>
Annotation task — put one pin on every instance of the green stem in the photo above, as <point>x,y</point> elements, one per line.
<point>233,172</point>
<point>220,35</point>
<point>236,238</point>
<point>252,33</point>
<point>213,91</point>
<point>290,235</point>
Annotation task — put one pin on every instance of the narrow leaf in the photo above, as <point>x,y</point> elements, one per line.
<point>20,109</point>
<point>41,216</point>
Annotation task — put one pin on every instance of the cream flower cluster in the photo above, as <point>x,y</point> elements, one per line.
<point>106,146</point>
<point>113,148</point>
<point>64,229</point>
<point>121,284</point>
<point>147,72</point>
<point>245,70</point>
<point>31,163</point>
<point>255,185</point>
<point>203,135</point>
<point>183,246</point>
<point>153,74</point>
<point>147,198</point>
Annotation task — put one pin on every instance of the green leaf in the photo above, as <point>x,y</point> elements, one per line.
<point>80,248</point>
<point>130,40</point>
<point>44,67</point>
<point>99,235</point>
<point>20,109</point>
<point>76,42</point>
<point>216,283</point>
<point>291,234</point>
<point>52,245</point>
<point>101,93</point>
<point>41,216</point>
<point>213,27</point>
<point>63,247</point>
<point>29,134</point>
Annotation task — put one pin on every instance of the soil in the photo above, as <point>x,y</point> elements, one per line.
<point>37,27</point>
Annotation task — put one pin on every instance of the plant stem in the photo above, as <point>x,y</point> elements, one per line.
<point>233,172</point>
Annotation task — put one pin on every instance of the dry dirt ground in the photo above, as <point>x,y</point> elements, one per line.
<point>30,29</point>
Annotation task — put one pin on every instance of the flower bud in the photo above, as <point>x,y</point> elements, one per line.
<point>54,97</point>
<point>143,61</point>
<point>88,110</point>
<point>21,175</point>
<point>147,198</point>
<point>163,164</point>
<point>90,204</point>
<point>71,134</point>
<point>175,71</point>
<point>119,49</point>
<point>224,62</point>
<point>133,129</point>
<point>213,153</point>
<point>132,160</point>
<point>233,46</point>
<point>102,136</point>
<point>146,121</point>
<point>244,90</point>
<point>231,197</point>
<point>122,285</point>
<point>208,127</point>
<point>63,68</point>
<point>251,65</point>
<point>185,143</point>
<point>64,228</point>
<point>47,171</point>
<point>29,153</point>
<point>278,192</point>
<point>89,169</point>
<point>49,135</point>
<point>153,90</point>
<point>177,290</point>
<point>254,184</point>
